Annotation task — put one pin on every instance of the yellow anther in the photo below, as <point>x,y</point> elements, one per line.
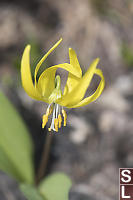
<point>49,129</point>
<point>65,116</point>
<point>65,121</point>
<point>56,122</point>
<point>44,120</point>
<point>59,120</point>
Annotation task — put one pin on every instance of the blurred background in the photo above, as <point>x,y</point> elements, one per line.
<point>99,137</point>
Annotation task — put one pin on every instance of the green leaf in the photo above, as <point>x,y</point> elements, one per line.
<point>15,144</point>
<point>5,164</point>
<point>30,192</point>
<point>55,187</point>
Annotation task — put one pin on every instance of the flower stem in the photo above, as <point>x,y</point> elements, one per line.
<point>44,159</point>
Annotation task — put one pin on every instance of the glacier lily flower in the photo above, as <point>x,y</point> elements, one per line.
<point>48,87</point>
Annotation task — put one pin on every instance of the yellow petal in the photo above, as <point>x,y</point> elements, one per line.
<point>96,94</point>
<point>77,94</point>
<point>72,81</point>
<point>26,75</point>
<point>44,57</point>
<point>74,60</point>
<point>46,82</point>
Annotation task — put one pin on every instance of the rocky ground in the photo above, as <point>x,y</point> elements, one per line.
<point>99,138</point>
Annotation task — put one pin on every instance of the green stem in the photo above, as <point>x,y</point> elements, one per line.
<point>44,159</point>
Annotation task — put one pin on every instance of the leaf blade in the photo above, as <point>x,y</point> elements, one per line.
<point>55,187</point>
<point>15,143</point>
<point>30,192</point>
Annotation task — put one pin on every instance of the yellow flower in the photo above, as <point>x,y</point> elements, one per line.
<point>47,87</point>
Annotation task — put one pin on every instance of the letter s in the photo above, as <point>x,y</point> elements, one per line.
<point>125,174</point>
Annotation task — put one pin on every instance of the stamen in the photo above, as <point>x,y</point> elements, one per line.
<point>44,120</point>
<point>49,111</point>
<point>56,121</point>
<point>59,120</point>
<point>57,110</point>
<point>65,116</point>
<point>52,123</point>
<point>56,124</point>
<point>45,117</point>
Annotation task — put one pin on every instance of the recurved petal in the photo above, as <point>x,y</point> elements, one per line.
<point>77,94</point>
<point>46,82</point>
<point>74,60</point>
<point>72,80</point>
<point>26,75</point>
<point>95,95</point>
<point>44,57</point>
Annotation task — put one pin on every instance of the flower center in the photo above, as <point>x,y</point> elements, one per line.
<point>57,93</point>
<point>56,121</point>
